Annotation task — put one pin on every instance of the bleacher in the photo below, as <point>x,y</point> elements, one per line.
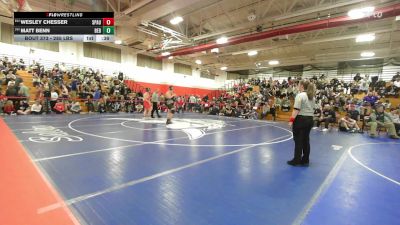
<point>386,74</point>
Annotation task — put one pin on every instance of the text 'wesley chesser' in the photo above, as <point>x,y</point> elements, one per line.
<point>43,22</point>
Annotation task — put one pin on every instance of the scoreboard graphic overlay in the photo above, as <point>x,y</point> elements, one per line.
<point>64,26</point>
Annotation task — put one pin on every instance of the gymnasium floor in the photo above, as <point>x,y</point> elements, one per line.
<point>120,169</point>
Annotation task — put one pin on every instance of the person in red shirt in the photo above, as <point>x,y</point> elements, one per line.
<point>59,107</point>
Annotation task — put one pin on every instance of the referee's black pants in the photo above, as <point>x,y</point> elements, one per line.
<point>302,126</point>
<point>155,108</point>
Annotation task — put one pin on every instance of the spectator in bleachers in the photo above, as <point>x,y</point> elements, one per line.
<point>364,84</point>
<point>395,116</point>
<point>23,91</point>
<point>278,102</point>
<point>380,118</point>
<point>229,110</point>
<point>53,98</point>
<point>24,108</point>
<point>365,113</point>
<point>372,98</point>
<point>2,78</point>
<point>245,112</point>
<point>9,108</point>
<point>35,79</point>
<point>74,87</point>
<point>64,92</point>
<point>396,83</point>
<point>328,116</point>
<point>101,106</point>
<point>264,110</point>
<point>3,100</point>
<point>286,104</point>
<point>139,107</point>
<point>353,113</point>
<point>317,117</point>
<point>395,77</point>
<point>89,105</point>
<point>348,124</point>
<point>59,107</point>
<point>11,77</point>
<point>36,108</point>
<point>180,104</point>
<point>387,104</point>
<point>214,110</point>
<point>11,93</point>
<point>357,77</point>
<point>272,108</point>
<point>75,108</point>
<point>192,102</point>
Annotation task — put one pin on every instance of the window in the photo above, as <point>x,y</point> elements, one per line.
<point>149,62</point>
<point>183,69</point>
<point>232,76</point>
<point>96,51</point>
<point>205,74</point>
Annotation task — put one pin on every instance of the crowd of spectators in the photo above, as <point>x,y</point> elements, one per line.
<point>339,103</point>
<point>68,90</point>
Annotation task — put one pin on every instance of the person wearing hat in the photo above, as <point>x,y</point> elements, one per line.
<point>382,119</point>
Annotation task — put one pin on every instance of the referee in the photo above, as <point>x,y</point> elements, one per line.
<point>302,122</point>
<point>155,100</point>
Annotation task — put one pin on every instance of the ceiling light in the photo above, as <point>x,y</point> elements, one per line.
<point>171,57</point>
<point>176,20</point>
<point>252,53</point>
<point>273,62</point>
<point>198,61</point>
<point>365,37</point>
<point>165,53</point>
<point>367,54</point>
<point>215,50</point>
<point>222,40</point>
<point>224,68</point>
<point>361,13</point>
<point>118,42</point>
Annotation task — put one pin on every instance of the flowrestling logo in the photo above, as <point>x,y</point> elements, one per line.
<point>50,134</point>
<point>194,128</point>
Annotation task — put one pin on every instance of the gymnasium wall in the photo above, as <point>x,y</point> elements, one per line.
<point>385,73</point>
<point>72,55</point>
<point>179,90</point>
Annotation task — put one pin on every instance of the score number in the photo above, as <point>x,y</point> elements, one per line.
<point>108,25</point>
<point>106,30</point>
<point>108,21</point>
